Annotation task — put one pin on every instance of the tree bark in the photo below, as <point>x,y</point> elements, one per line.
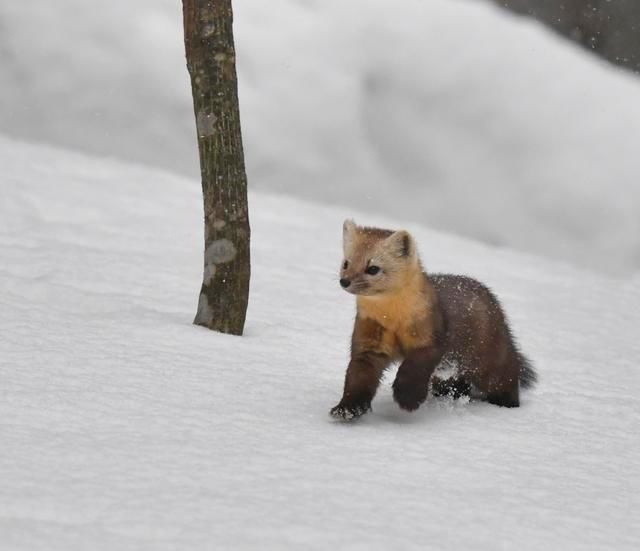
<point>210,52</point>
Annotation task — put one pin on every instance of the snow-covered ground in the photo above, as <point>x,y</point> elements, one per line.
<point>448,113</point>
<point>123,426</point>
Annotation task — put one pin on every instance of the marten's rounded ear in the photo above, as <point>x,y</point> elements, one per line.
<point>348,227</point>
<point>348,233</point>
<point>401,243</point>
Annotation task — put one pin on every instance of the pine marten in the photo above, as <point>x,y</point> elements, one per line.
<point>424,321</point>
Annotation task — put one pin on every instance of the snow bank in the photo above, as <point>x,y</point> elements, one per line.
<point>446,113</point>
<point>125,427</point>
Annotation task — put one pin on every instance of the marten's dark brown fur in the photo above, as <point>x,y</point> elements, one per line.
<point>424,322</point>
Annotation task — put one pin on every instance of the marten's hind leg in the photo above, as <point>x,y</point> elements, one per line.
<point>496,371</point>
<point>509,398</point>
<point>502,387</point>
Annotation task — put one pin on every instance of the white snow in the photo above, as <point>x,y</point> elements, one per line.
<point>123,426</point>
<point>447,113</point>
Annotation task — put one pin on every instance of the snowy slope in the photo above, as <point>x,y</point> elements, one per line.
<point>125,427</point>
<point>449,113</point>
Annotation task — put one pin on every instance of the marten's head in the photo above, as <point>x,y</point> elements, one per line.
<point>376,261</point>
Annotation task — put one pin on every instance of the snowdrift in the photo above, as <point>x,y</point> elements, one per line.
<point>447,113</point>
<point>125,427</point>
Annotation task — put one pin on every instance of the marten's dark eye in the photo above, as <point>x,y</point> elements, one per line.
<point>372,270</point>
<point>345,265</point>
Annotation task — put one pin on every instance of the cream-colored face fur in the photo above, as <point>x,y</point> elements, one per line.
<point>376,261</point>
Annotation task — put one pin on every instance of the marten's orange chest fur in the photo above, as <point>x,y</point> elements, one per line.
<point>404,315</point>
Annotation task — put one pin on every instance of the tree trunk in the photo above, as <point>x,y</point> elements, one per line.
<point>209,45</point>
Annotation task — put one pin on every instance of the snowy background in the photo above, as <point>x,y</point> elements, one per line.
<point>610,28</point>
<point>450,113</point>
<point>122,426</point>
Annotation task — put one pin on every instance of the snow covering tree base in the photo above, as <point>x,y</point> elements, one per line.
<point>125,427</point>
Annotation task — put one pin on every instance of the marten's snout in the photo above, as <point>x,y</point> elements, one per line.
<point>345,282</point>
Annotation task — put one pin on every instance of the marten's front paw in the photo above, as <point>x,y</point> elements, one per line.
<point>349,412</point>
<point>409,396</point>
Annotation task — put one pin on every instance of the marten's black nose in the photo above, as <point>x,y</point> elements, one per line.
<point>345,283</point>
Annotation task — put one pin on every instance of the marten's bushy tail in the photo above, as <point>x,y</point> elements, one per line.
<point>528,375</point>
